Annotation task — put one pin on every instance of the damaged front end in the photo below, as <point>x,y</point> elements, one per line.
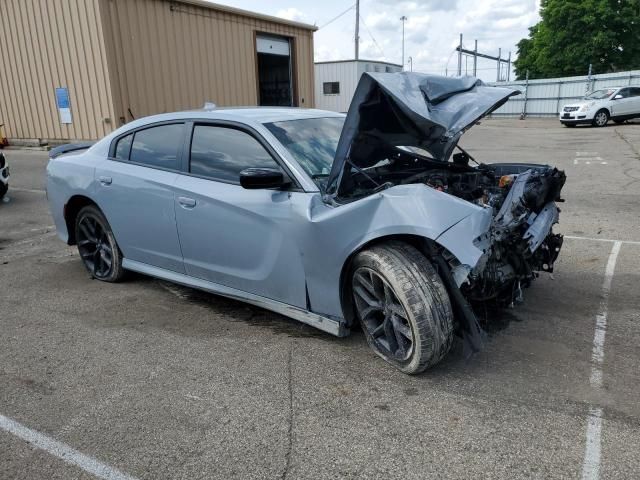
<point>403,129</point>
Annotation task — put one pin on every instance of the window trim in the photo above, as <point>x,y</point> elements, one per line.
<point>179,152</point>
<point>186,154</point>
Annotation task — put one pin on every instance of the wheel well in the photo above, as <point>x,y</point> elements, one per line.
<point>71,210</point>
<point>346,300</point>
<point>605,109</point>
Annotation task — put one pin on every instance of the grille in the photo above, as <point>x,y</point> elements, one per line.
<point>570,109</point>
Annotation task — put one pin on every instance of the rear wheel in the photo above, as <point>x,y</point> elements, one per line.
<point>97,245</point>
<point>4,187</point>
<point>601,118</point>
<point>403,306</point>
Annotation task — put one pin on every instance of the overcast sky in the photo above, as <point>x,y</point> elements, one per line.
<point>431,31</point>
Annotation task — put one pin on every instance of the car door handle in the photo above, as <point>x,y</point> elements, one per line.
<point>187,202</point>
<point>105,180</point>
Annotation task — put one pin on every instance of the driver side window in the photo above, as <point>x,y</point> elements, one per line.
<point>623,92</point>
<point>221,153</point>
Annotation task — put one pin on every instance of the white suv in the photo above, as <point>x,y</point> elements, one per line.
<point>616,103</point>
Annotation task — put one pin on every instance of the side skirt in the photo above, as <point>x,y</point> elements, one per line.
<point>320,322</point>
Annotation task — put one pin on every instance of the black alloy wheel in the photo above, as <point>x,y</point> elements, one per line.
<point>382,315</point>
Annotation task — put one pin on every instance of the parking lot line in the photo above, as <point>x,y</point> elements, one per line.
<point>62,451</point>
<point>610,240</point>
<point>591,463</point>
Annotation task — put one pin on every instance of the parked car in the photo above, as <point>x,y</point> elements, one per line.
<point>327,219</point>
<point>4,175</point>
<point>616,103</point>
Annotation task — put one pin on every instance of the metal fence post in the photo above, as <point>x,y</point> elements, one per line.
<point>523,115</point>
<point>588,80</point>
<point>559,97</point>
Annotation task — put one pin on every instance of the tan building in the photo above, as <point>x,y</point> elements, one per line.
<point>78,69</point>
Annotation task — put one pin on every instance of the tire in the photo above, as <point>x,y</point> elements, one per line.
<point>97,245</point>
<point>601,118</point>
<point>4,188</point>
<point>402,305</point>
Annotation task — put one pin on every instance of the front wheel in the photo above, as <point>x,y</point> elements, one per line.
<point>601,118</point>
<point>97,245</point>
<point>402,305</point>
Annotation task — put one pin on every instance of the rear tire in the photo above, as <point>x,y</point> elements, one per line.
<point>4,188</point>
<point>402,305</point>
<point>97,245</point>
<point>601,118</point>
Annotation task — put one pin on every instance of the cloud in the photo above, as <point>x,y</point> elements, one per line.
<point>291,13</point>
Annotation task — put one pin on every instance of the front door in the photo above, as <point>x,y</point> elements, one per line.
<point>134,189</point>
<point>232,236</point>
<point>622,106</point>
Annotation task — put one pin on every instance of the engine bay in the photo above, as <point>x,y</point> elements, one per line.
<point>522,197</point>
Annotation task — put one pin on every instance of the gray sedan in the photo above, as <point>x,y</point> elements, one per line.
<point>331,220</point>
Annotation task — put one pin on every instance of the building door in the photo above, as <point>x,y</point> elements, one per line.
<point>275,84</point>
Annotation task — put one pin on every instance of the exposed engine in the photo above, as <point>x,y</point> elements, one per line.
<point>520,242</point>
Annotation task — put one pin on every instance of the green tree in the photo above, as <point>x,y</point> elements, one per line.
<point>575,33</point>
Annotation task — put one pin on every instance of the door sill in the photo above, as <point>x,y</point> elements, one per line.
<point>320,322</point>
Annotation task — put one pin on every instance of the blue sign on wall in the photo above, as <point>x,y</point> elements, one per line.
<point>63,103</point>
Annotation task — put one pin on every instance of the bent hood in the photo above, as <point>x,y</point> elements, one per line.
<point>410,109</point>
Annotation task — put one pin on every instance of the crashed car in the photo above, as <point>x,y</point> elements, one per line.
<point>334,221</point>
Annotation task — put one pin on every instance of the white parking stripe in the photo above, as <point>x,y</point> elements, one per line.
<point>591,463</point>
<point>62,451</point>
<point>631,242</point>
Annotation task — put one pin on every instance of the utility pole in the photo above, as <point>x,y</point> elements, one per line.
<point>499,64</point>
<point>410,63</point>
<point>403,19</point>
<point>460,57</point>
<point>588,80</point>
<point>357,29</point>
<point>509,67</point>
<point>475,59</point>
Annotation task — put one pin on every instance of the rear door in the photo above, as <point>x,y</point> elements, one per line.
<point>134,189</point>
<point>232,236</point>
<point>635,101</point>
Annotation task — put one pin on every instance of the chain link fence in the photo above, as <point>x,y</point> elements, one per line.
<point>545,97</point>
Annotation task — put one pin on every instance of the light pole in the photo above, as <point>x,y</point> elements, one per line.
<point>410,63</point>
<point>403,19</point>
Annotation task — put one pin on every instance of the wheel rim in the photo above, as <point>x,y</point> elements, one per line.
<point>382,315</point>
<point>95,247</point>
<point>601,118</point>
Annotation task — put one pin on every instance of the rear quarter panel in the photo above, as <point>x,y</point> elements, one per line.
<point>69,175</point>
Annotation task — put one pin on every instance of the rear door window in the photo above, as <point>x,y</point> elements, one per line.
<point>222,153</point>
<point>158,146</point>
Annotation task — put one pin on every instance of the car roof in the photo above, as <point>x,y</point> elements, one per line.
<point>243,114</point>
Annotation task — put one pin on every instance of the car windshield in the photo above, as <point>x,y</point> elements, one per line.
<point>312,142</point>
<point>600,94</point>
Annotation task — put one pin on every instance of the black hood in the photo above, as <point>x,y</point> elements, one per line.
<point>413,110</point>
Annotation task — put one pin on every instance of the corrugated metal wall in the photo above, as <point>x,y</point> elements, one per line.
<point>546,97</point>
<point>46,44</point>
<point>170,56</point>
<point>347,73</point>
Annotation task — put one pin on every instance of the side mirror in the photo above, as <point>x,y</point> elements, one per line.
<point>617,97</point>
<point>255,178</point>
